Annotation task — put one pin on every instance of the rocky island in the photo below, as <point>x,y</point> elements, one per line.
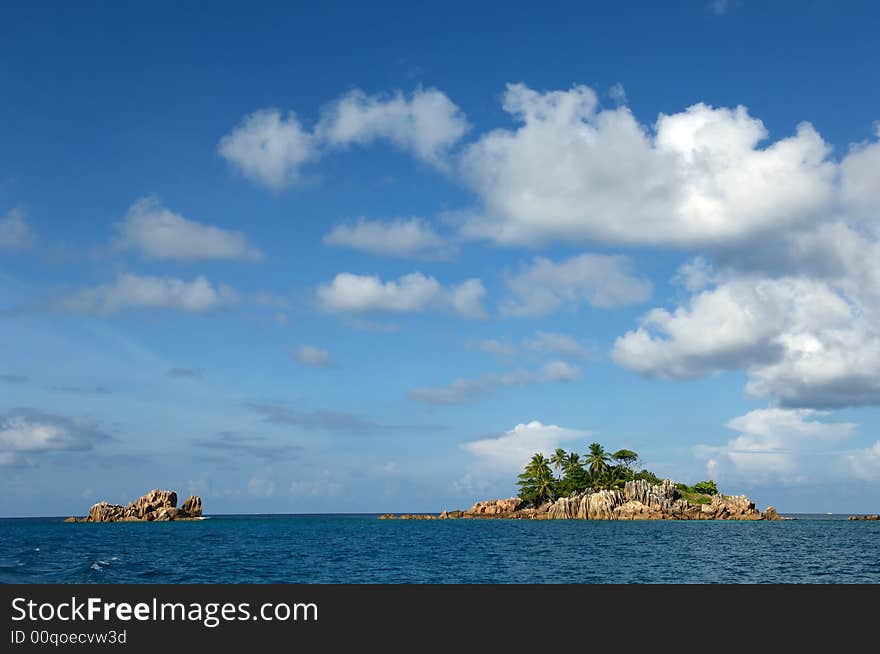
<point>605,486</point>
<point>637,500</point>
<point>155,506</point>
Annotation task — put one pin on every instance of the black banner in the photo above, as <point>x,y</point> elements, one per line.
<point>265,617</point>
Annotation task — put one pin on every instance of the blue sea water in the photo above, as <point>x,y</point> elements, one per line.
<point>364,549</point>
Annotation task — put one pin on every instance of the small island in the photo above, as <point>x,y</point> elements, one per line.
<point>155,506</point>
<point>605,486</point>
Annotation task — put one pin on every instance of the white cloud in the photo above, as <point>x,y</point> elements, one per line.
<point>865,464</point>
<point>695,275</point>
<point>411,238</point>
<point>597,279</point>
<point>15,233</point>
<point>159,233</point>
<point>860,179</point>
<point>560,371</point>
<point>350,293</point>
<point>466,391</point>
<point>556,343</point>
<point>467,299</point>
<point>427,123</point>
<point>268,149</point>
<point>29,431</point>
<point>495,347</point>
<point>730,326</point>
<point>461,391</point>
<point>313,356</point>
<point>801,341</point>
<point>508,453</point>
<point>573,171</point>
<point>778,445</point>
<point>617,93</point>
<point>131,291</point>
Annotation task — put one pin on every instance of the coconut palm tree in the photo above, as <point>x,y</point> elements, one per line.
<point>572,464</point>
<point>597,461</point>
<point>536,482</point>
<point>558,459</point>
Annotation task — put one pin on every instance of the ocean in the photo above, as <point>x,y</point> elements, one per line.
<point>364,549</point>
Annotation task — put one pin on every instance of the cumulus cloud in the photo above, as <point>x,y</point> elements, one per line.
<point>411,238</point>
<point>798,309</point>
<point>427,123</point>
<point>15,233</point>
<point>860,179</point>
<point>597,279</point>
<point>695,274</point>
<point>268,148</point>
<point>575,171</point>
<point>315,357</point>
<point>350,293</point>
<point>779,445</point>
<point>508,453</point>
<point>801,341</point>
<point>159,233</point>
<point>131,291</point>
<point>25,431</point>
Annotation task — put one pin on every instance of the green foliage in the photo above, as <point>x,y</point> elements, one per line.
<point>695,498</point>
<point>597,463</point>
<point>705,488</point>
<point>575,479</point>
<point>558,459</point>
<point>536,482</point>
<point>626,458</point>
<point>648,476</point>
<point>597,470</point>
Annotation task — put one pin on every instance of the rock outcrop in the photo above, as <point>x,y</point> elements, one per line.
<point>770,514</point>
<point>640,500</point>
<point>192,506</point>
<point>155,506</point>
<point>637,500</point>
<point>865,517</point>
<point>495,507</point>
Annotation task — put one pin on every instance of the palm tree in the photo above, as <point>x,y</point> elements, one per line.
<point>597,460</point>
<point>539,467</point>
<point>558,459</point>
<point>572,464</point>
<point>537,481</point>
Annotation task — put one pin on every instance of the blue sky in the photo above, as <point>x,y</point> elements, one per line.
<point>338,259</point>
